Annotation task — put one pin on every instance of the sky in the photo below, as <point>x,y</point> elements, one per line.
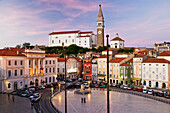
<point>141,23</point>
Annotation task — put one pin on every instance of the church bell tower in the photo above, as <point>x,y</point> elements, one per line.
<point>100,28</point>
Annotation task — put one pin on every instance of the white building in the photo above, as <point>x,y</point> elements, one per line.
<point>94,69</point>
<point>156,73</point>
<point>61,68</point>
<point>83,39</point>
<point>165,55</point>
<point>21,68</point>
<point>117,42</point>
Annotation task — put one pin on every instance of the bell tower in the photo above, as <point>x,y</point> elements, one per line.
<point>100,28</point>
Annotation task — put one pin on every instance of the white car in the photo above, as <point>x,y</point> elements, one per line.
<point>42,87</point>
<point>35,94</point>
<point>150,92</point>
<point>125,87</point>
<point>113,84</point>
<point>144,90</point>
<point>86,85</point>
<point>62,82</point>
<point>36,98</point>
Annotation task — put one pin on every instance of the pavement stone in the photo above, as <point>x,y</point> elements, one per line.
<point>21,104</point>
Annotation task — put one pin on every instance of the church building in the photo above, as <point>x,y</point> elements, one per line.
<point>117,42</point>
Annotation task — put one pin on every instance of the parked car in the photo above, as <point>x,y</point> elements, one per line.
<point>78,85</point>
<point>117,85</point>
<point>62,82</point>
<point>161,94</point>
<point>150,91</point>
<point>25,94</point>
<point>92,85</point>
<point>113,84</point>
<point>121,86</point>
<point>129,87</point>
<point>167,95</point>
<point>42,87</point>
<point>35,94</point>
<point>125,87</point>
<point>145,90</point>
<point>86,85</point>
<point>36,98</point>
<point>48,85</point>
<point>135,89</point>
<point>140,89</point>
<point>102,86</point>
<point>96,86</point>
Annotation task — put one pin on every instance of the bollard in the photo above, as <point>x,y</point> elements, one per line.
<point>84,100</point>
<point>81,100</point>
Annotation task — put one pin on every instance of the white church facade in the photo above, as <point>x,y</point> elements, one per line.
<point>86,39</point>
<point>117,42</point>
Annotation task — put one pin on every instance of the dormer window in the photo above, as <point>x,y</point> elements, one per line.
<point>56,37</point>
<point>69,36</point>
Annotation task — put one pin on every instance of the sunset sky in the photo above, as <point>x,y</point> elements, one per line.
<point>138,22</point>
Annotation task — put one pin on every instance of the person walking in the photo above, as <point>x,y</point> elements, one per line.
<point>13,98</point>
<point>32,104</point>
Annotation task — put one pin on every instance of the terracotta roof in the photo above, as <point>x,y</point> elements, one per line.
<point>50,55</point>
<point>7,52</point>
<point>165,53</point>
<point>62,59</point>
<point>125,64</point>
<point>85,32</point>
<point>116,60</point>
<point>103,56</point>
<point>84,36</point>
<point>122,54</point>
<point>64,32</point>
<point>131,60</point>
<point>156,60</point>
<point>117,38</point>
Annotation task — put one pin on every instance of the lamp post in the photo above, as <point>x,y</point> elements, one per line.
<point>52,89</point>
<point>108,103</point>
<point>65,80</point>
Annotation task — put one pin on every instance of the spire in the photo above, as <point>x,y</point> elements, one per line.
<point>100,12</point>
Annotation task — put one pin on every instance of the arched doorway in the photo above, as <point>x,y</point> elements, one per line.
<point>163,85</point>
<point>144,82</point>
<point>156,84</point>
<point>15,85</point>
<point>36,82</point>
<point>149,83</point>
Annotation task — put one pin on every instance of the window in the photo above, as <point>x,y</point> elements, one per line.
<point>163,70</point>
<point>114,65</point>
<point>117,70</point>
<point>46,70</point>
<point>99,66</point>
<point>150,76</point>
<point>114,70</point>
<point>20,83</point>
<point>66,41</point>
<point>157,70</point>
<point>50,62</point>
<point>15,62</point>
<point>149,68</point>
<point>156,64</point>
<point>89,66</point>
<point>143,75</point>
<point>46,80</point>
<point>144,69</point>
<point>163,77</point>
<point>56,37</point>
<point>114,75</point>
<point>21,62</point>
<point>53,61</point>
<point>69,36</point>
<point>110,69</point>
<point>63,69</point>
<point>117,76</point>
<point>117,64</point>
<point>29,62</point>
<point>85,66</point>
<point>87,72</point>
<point>53,70</point>
<point>110,64</point>
<point>110,75</point>
<point>46,62</point>
<point>79,41</point>
<point>103,72</point>
<point>121,71</point>
<point>59,41</point>
<point>85,41</point>
<point>103,60</point>
<point>52,41</point>
<point>15,73</point>
<point>72,40</point>
<point>21,72</point>
<point>149,64</point>
<point>9,62</point>
<point>50,70</point>
<point>156,76</point>
<point>99,72</point>
<point>9,85</point>
<point>103,66</point>
<point>58,69</point>
<point>50,80</point>
<point>9,73</point>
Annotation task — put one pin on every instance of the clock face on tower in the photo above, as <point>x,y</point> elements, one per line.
<point>99,32</point>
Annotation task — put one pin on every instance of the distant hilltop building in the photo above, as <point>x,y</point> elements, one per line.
<point>86,39</point>
<point>117,42</point>
<point>100,28</point>
<point>160,47</point>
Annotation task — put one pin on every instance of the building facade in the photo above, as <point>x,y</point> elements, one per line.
<point>87,69</point>
<point>117,42</point>
<point>94,69</point>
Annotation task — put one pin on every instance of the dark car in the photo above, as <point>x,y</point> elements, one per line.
<point>140,90</point>
<point>161,94</point>
<point>155,93</point>
<point>92,85</point>
<point>48,85</point>
<point>167,95</point>
<point>96,86</point>
<point>117,85</point>
<point>135,89</point>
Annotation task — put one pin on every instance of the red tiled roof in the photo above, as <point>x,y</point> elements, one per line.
<point>116,60</point>
<point>7,52</point>
<point>165,53</point>
<point>122,54</point>
<point>62,59</point>
<point>103,56</point>
<point>50,55</point>
<point>64,32</point>
<point>85,32</point>
<point>85,36</point>
<point>156,60</point>
<point>125,64</point>
<point>117,38</point>
<point>131,60</point>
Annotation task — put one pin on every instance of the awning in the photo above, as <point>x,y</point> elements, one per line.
<point>136,79</point>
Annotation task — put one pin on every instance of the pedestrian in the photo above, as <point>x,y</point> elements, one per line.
<point>13,98</point>
<point>32,104</point>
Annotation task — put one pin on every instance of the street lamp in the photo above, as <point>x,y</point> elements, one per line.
<point>108,106</point>
<point>65,79</point>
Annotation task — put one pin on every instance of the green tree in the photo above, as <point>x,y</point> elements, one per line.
<point>26,45</point>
